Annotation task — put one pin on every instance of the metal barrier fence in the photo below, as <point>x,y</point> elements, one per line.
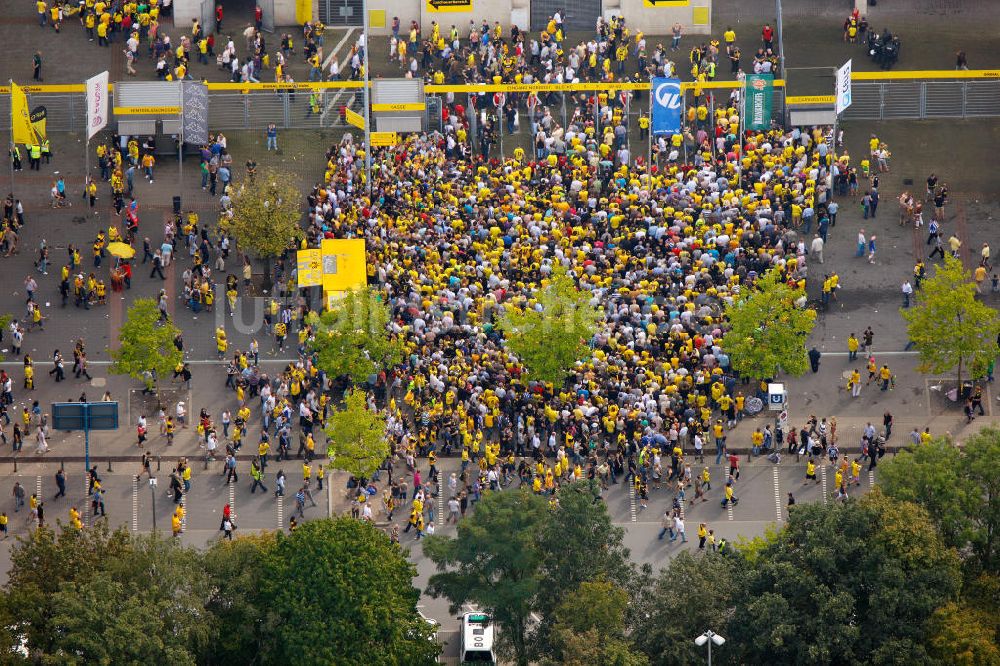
<point>227,110</point>
<point>235,110</point>
<point>919,100</point>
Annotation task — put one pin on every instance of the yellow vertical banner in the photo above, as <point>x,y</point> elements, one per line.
<point>22,131</point>
<point>354,118</point>
<point>303,11</point>
<point>310,268</point>
<point>344,264</point>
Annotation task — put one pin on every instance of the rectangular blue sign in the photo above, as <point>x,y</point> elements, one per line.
<point>666,101</point>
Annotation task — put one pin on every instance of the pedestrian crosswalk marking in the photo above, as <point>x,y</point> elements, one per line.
<point>822,475</point>
<point>631,501</point>
<point>184,515</point>
<point>135,504</point>
<point>777,494</point>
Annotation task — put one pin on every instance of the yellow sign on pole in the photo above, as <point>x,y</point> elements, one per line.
<point>666,3</point>
<point>147,110</point>
<point>413,106</point>
<point>444,6</point>
<point>384,138</point>
<point>310,268</point>
<point>344,264</point>
<point>355,119</point>
<point>810,99</point>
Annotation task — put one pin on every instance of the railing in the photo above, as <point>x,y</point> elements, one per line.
<point>253,106</point>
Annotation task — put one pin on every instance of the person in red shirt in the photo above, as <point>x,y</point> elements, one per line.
<point>258,17</point>
<point>734,466</point>
<point>767,34</point>
<point>218,18</point>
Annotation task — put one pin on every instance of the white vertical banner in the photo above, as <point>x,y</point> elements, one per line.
<point>844,87</point>
<point>97,104</point>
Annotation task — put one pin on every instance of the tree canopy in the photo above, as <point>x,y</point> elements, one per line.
<point>950,328</point>
<point>768,330</point>
<point>332,592</point>
<point>146,344</point>
<point>266,214</point>
<point>959,487</point>
<point>358,444</point>
<point>552,334</point>
<point>353,338</point>
<point>519,557</point>
<point>339,587</point>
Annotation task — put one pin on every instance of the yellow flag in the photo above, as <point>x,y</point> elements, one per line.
<point>23,131</point>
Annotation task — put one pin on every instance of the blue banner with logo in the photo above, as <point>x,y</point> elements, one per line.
<point>666,101</point>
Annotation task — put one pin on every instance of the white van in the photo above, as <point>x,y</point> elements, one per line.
<point>477,639</point>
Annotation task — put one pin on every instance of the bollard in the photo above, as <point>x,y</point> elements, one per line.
<point>62,465</point>
<point>15,464</point>
<point>157,463</point>
<point>109,465</point>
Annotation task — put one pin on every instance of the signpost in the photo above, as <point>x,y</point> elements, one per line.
<point>436,6</point>
<point>85,416</point>
<point>354,118</point>
<point>385,138</point>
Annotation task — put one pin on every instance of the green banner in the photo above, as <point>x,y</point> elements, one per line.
<point>759,89</point>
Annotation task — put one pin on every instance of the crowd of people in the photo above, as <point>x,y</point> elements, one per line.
<point>661,244</point>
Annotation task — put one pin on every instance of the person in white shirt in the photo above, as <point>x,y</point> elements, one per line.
<point>816,248</point>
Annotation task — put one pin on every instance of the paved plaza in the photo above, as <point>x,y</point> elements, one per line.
<point>960,152</point>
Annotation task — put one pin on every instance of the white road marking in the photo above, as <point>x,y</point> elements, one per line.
<point>822,476</point>
<point>631,501</point>
<point>871,478</point>
<point>135,503</point>
<point>777,494</point>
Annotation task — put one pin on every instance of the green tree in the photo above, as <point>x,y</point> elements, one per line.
<point>495,563</point>
<point>981,453</point>
<point>934,476</point>
<point>267,214</point>
<point>949,327</point>
<point>94,597</point>
<point>856,582</point>
<point>959,488</point>
<point>341,591</point>
<point>353,338</point>
<point>577,543</point>
<point>768,329</point>
<point>146,345</point>
<point>961,636</point>
<point>358,444</point>
<point>239,602</point>
<point>550,336</point>
<point>692,594</point>
<point>589,628</point>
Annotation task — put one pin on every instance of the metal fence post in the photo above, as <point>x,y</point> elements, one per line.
<point>965,98</point>
<point>286,109</point>
<point>923,100</point>
<point>881,101</point>
<point>246,111</point>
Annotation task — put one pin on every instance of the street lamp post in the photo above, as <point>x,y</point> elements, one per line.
<point>152,492</point>
<point>709,637</point>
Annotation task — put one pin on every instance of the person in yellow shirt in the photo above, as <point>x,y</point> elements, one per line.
<point>854,383</point>
<point>811,472</point>
<point>852,347</point>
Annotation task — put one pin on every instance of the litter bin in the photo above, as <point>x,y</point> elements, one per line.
<point>177,205</point>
